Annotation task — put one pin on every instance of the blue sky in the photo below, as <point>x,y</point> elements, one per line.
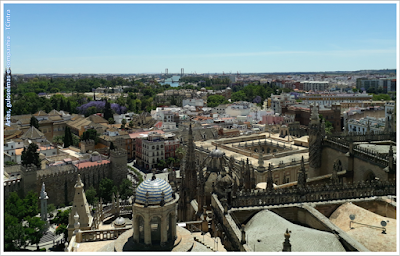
<point>202,38</point>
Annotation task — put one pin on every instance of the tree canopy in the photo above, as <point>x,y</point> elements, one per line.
<point>34,122</point>
<point>215,100</point>
<point>30,155</point>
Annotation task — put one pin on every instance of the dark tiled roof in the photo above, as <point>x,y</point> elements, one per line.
<point>32,133</point>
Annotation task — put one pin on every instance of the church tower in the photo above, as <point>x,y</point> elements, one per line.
<point>189,182</point>
<point>314,142</point>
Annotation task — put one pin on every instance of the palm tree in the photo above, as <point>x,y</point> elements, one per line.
<point>171,161</point>
<point>180,152</point>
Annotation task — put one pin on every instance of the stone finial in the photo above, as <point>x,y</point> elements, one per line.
<point>287,247</point>
<point>76,224</point>
<point>243,232</point>
<point>79,181</point>
<point>43,193</point>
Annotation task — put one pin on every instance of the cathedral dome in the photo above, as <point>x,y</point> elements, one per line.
<point>155,187</point>
<point>216,153</point>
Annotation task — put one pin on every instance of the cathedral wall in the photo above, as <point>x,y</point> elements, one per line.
<point>329,156</point>
<point>362,169</point>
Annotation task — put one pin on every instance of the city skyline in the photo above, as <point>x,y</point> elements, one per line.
<point>201,38</point>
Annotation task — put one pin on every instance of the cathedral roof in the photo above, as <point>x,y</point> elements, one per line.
<point>154,188</point>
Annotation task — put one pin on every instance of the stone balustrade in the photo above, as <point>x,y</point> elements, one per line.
<point>101,235</point>
<point>314,193</point>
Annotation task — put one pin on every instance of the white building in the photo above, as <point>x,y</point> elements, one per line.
<point>389,108</point>
<point>241,108</point>
<point>376,124</point>
<point>193,102</point>
<point>128,117</point>
<point>13,150</point>
<point>221,109</point>
<point>280,101</point>
<point>328,99</point>
<point>152,149</point>
<point>315,85</point>
<point>112,132</point>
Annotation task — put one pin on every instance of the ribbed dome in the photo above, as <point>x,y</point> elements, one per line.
<point>216,153</point>
<point>120,221</point>
<point>155,188</point>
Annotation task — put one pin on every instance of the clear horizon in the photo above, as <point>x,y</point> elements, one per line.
<point>201,38</point>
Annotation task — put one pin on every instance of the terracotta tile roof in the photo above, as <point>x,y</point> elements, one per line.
<point>18,151</point>
<point>158,124</point>
<point>91,164</point>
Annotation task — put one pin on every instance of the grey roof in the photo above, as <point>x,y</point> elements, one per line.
<point>269,228</point>
<point>32,133</point>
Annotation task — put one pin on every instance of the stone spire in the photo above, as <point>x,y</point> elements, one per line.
<point>393,119</point>
<point>337,167</point>
<point>346,128</point>
<point>368,132</point>
<point>302,176</point>
<point>387,125</point>
<point>314,113</point>
<point>270,181</point>
<point>43,203</point>
<point>391,159</point>
<point>287,247</point>
<point>190,166</point>
<point>260,167</point>
<point>80,206</point>
<point>315,143</point>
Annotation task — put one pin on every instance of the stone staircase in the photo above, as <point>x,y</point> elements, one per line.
<point>208,241</point>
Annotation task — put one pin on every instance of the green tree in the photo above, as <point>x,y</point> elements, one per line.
<point>161,163</point>
<point>238,96</point>
<point>34,122</point>
<point>35,230</point>
<point>131,124</point>
<point>106,189</point>
<point>180,152</point>
<point>30,155</point>
<point>14,233</point>
<point>111,120</point>
<point>215,100</point>
<point>123,122</point>
<point>90,195</point>
<point>171,161</point>
<point>125,189</point>
<point>50,209</point>
<point>59,139</point>
<point>68,141</point>
<point>384,97</point>
<point>108,111</point>
<point>62,217</point>
<point>62,229</point>
<point>90,134</point>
